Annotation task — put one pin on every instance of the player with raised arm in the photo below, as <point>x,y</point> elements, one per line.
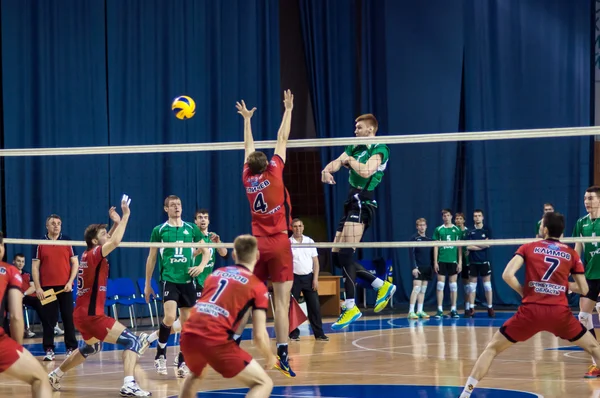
<point>89,318</point>
<point>589,226</point>
<point>548,264</point>
<point>206,339</point>
<point>16,361</point>
<point>367,164</point>
<point>271,220</point>
<point>176,274</point>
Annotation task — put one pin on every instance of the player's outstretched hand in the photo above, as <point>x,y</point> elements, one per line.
<point>113,215</point>
<point>242,110</point>
<point>288,100</point>
<point>270,362</point>
<point>125,200</point>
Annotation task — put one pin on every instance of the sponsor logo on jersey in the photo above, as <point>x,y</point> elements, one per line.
<point>2,270</point>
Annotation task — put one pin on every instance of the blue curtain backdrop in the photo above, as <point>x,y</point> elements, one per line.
<point>470,65</point>
<point>113,85</point>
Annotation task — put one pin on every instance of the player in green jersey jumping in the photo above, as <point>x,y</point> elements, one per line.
<point>447,261</point>
<point>367,164</point>
<point>589,226</point>
<point>176,274</point>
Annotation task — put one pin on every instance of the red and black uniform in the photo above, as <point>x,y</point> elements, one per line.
<point>92,282</point>
<point>32,301</point>
<point>55,270</point>
<point>206,338</point>
<point>545,306</point>
<point>271,219</point>
<point>10,278</point>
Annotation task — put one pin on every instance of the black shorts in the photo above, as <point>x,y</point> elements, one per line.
<point>594,286</point>
<point>480,269</point>
<point>199,289</point>
<point>447,269</point>
<point>359,207</point>
<point>425,273</point>
<point>183,293</point>
<point>464,272</point>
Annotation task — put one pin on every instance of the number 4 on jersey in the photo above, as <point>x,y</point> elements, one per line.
<point>260,206</point>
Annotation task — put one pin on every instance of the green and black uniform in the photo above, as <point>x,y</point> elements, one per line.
<point>447,255</point>
<point>464,273</point>
<point>361,204</point>
<point>174,262</point>
<point>208,269</point>
<point>588,227</point>
<point>537,228</point>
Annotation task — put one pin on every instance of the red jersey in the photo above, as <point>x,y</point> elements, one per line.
<point>227,295</point>
<point>548,264</point>
<point>10,278</point>
<point>26,278</point>
<point>55,263</point>
<point>92,280</point>
<point>269,199</point>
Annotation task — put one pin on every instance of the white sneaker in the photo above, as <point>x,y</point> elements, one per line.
<point>133,390</point>
<point>49,356</point>
<point>144,343</point>
<point>54,381</point>
<point>176,360</point>
<point>29,334</point>
<point>58,331</point>
<point>160,365</point>
<point>183,371</point>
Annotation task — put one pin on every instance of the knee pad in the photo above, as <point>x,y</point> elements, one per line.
<point>583,318</point>
<point>598,307</point>
<point>467,287</point>
<point>473,286</point>
<point>417,289</point>
<point>487,286</point>
<point>453,286</point>
<point>129,341</point>
<point>440,286</point>
<point>88,350</point>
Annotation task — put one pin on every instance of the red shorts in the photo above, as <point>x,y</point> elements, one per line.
<point>228,358</point>
<point>93,326</point>
<point>275,259</point>
<point>9,352</point>
<point>533,318</point>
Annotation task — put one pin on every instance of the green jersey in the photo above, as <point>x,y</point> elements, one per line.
<point>363,153</point>
<point>537,228</point>
<point>588,227</point>
<point>465,257</point>
<point>447,254</point>
<point>174,263</point>
<point>208,269</point>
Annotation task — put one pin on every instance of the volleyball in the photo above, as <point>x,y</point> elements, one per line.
<point>184,107</point>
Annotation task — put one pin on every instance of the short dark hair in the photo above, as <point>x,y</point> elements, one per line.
<point>458,215</point>
<point>244,247</point>
<point>91,233</point>
<point>594,189</point>
<point>257,162</point>
<point>446,211</point>
<point>18,255</point>
<point>549,204</point>
<point>555,222</point>
<point>479,211</point>
<point>295,220</point>
<point>369,119</point>
<point>1,238</point>
<point>51,216</point>
<point>201,211</point>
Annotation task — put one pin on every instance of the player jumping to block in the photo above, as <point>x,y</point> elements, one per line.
<point>548,264</point>
<point>367,164</point>
<point>89,317</point>
<point>271,220</point>
<point>206,337</point>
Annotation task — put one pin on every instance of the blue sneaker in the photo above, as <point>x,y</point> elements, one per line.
<point>284,367</point>
<point>384,294</point>
<point>346,318</point>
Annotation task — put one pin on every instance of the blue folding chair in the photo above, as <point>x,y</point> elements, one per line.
<point>126,294</point>
<point>110,301</point>
<point>141,282</point>
<point>385,274</point>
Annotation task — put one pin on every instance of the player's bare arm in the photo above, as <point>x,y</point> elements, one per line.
<point>15,307</point>
<point>365,170</point>
<point>286,125</point>
<point>74,270</point>
<point>248,139</point>
<point>115,218</point>
<point>509,274</point>
<point>117,236</point>
<point>35,274</point>
<point>261,338</point>
<point>436,266</point>
<point>580,285</point>
<point>333,167</point>
<point>579,248</point>
<point>197,270</point>
<point>150,264</point>
<point>459,264</point>
<point>217,239</point>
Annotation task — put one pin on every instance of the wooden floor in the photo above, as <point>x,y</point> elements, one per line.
<point>379,351</point>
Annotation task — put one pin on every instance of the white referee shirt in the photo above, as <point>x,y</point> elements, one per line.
<point>303,256</point>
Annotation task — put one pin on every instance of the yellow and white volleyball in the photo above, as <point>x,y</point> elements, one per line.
<point>184,107</point>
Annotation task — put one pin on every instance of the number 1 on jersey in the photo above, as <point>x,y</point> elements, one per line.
<point>260,206</point>
<point>554,263</point>
<point>222,284</point>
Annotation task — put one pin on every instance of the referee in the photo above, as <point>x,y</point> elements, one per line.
<point>306,280</point>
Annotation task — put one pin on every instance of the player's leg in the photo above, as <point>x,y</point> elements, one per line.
<point>256,379</point>
<point>473,274</point>
<point>77,357</point>
<point>65,304</point>
<point>498,344</point>
<point>441,283</point>
<point>421,299</point>
<point>464,274</point>
<point>170,300</point>
<point>414,295</point>
<point>586,308</point>
<point>453,286</point>
<point>487,287</point>
<point>28,369</point>
<point>51,317</point>
<point>282,293</point>
<point>190,386</point>
<point>184,315</point>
